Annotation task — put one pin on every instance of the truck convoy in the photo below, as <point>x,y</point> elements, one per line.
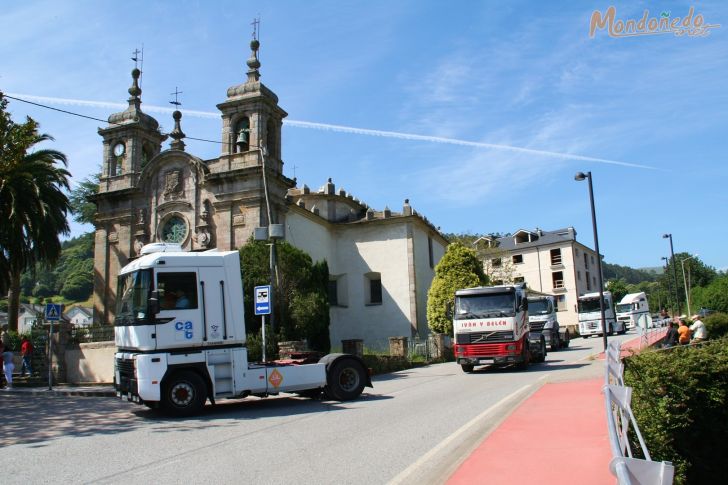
<point>180,337</point>
<point>590,318</point>
<point>633,308</point>
<point>491,327</point>
<point>542,319</point>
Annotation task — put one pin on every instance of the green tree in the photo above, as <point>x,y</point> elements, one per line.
<point>713,296</point>
<point>33,205</point>
<point>696,274</point>
<point>82,205</point>
<point>300,302</point>
<point>618,288</point>
<point>459,268</point>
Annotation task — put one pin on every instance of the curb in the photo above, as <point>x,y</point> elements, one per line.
<point>75,392</point>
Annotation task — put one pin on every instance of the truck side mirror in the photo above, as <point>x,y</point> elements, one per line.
<point>524,305</point>
<point>154,303</point>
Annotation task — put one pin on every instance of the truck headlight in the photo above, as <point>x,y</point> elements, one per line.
<point>549,324</point>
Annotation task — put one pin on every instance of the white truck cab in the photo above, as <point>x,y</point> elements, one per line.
<point>634,308</point>
<point>180,337</point>
<point>590,318</point>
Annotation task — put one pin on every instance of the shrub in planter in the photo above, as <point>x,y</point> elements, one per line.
<point>717,325</point>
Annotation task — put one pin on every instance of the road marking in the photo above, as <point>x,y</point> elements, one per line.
<point>447,441</point>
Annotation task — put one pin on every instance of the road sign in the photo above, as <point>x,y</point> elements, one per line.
<point>52,311</point>
<point>262,300</point>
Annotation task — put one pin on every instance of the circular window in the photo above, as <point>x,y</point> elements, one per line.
<point>174,230</point>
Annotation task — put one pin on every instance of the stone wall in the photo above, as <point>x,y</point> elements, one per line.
<point>90,362</point>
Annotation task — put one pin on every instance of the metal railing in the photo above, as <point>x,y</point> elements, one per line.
<point>618,397</point>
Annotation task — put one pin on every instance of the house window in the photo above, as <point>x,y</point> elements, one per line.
<point>561,303</point>
<point>586,260</point>
<point>588,282</point>
<point>430,252</point>
<point>557,279</point>
<point>519,279</point>
<point>578,275</point>
<point>337,290</point>
<point>495,262</point>
<point>517,259</point>
<point>373,287</point>
<point>594,280</point>
<point>177,290</point>
<point>555,257</point>
<point>592,259</point>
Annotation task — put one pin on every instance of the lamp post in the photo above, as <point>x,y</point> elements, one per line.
<point>674,270</point>
<point>685,283</point>
<point>669,289</point>
<point>579,177</point>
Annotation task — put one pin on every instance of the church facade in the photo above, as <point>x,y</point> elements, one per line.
<point>382,262</point>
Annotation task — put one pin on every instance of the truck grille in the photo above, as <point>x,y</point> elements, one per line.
<point>127,380</point>
<point>536,326</point>
<point>485,337</point>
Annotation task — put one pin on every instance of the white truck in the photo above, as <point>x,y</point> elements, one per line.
<point>633,308</point>
<point>542,319</point>
<point>180,338</point>
<point>491,327</point>
<point>590,318</point>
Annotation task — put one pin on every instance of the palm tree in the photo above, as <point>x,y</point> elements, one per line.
<point>33,205</point>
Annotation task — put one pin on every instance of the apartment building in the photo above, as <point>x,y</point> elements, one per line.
<point>552,262</point>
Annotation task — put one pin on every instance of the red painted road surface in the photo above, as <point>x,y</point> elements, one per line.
<point>557,436</point>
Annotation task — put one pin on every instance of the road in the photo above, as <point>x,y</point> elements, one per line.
<point>413,427</point>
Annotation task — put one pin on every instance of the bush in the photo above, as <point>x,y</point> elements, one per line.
<point>255,345</point>
<point>679,401</point>
<point>717,325</point>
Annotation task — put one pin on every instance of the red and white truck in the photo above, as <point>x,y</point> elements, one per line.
<point>490,324</point>
<point>180,337</point>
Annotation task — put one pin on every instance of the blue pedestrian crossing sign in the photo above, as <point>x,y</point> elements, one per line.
<point>261,300</point>
<point>52,311</point>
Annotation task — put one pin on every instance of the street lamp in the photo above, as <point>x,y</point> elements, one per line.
<point>685,283</point>
<point>674,270</point>
<point>579,177</point>
<point>669,287</point>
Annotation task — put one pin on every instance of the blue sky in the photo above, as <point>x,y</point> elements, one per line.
<point>479,113</point>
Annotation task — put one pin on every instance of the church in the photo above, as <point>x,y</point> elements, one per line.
<point>381,262</point>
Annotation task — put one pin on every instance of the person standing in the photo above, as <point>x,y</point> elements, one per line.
<point>26,350</point>
<point>9,366</point>
<point>700,333</point>
<point>684,333</point>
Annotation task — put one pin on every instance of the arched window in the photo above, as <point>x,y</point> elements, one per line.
<point>242,135</point>
<point>270,139</point>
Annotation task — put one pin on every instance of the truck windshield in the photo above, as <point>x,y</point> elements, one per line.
<point>539,306</point>
<point>133,296</point>
<point>624,307</point>
<point>590,305</point>
<point>491,305</point>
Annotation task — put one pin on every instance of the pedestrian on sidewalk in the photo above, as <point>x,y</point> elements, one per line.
<point>8,366</point>
<point>683,332</point>
<point>671,338</point>
<point>700,333</point>
<point>26,350</point>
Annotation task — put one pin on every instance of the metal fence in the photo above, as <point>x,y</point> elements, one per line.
<point>96,333</point>
<point>618,397</point>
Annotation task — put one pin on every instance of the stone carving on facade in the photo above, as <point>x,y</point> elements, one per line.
<point>204,239</point>
<point>239,218</point>
<point>173,185</point>
<point>113,237</point>
<point>138,244</point>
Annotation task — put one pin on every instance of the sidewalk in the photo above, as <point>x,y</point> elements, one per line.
<point>91,390</point>
<point>558,435</point>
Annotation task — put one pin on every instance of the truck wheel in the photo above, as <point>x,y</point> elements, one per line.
<point>467,368</point>
<point>184,394</point>
<point>565,342</point>
<point>542,357</point>
<point>523,365</point>
<point>345,380</point>
<point>556,342</point>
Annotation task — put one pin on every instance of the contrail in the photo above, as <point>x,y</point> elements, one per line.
<point>340,129</point>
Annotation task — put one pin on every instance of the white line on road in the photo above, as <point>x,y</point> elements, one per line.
<point>447,441</point>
